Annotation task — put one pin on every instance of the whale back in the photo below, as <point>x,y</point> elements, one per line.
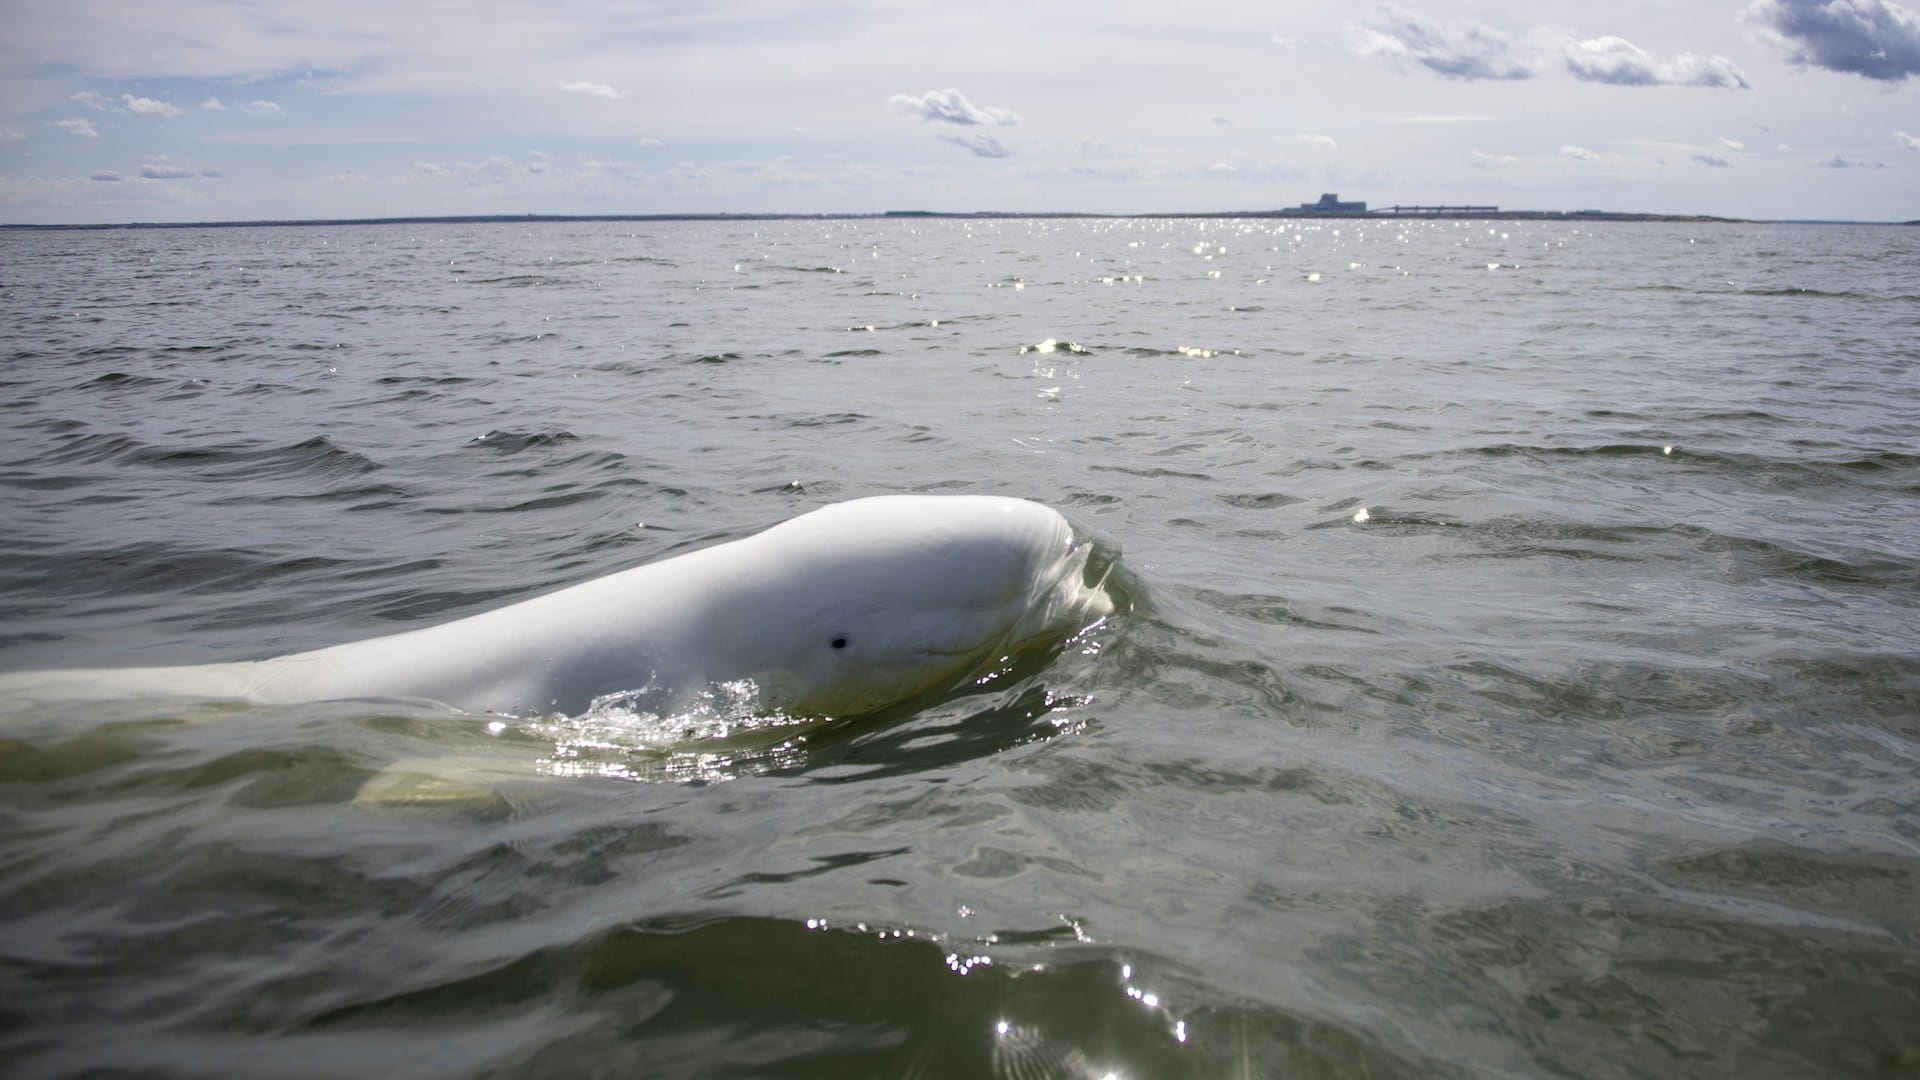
<point>836,612</point>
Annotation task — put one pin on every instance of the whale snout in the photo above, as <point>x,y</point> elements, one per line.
<point>917,594</point>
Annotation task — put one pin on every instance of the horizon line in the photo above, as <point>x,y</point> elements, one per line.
<point>1463,213</point>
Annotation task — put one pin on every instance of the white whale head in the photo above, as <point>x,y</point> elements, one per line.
<point>865,603</point>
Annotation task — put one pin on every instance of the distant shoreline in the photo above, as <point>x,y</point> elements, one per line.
<point>918,215</point>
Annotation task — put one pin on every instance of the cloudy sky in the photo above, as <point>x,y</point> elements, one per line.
<point>182,110</point>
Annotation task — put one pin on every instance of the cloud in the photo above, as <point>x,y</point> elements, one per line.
<point>1318,141</point>
<point>77,125</point>
<point>1476,52</point>
<point>648,142</point>
<point>599,90</point>
<point>1619,62</point>
<point>1578,153</point>
<point>258,107</point>
<point>494,170</point>
<point>950,106</point>
<point>979,145</point>
<point>1871,38</point>
<point>10,135</point>
<point>93,100</point>
<point>212,174</point>
<point>145,106</point>
<point>106,176</point>
<point>1483,160</point>
<point>1838,162</point>
<point>1711,161</point>
<point>1692,69</point>
<point>1909,141</point>
<point>164,172</point>
<point>1732,144</point>
<point>213,104</point>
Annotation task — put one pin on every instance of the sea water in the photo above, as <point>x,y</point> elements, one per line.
<point>1519,672</point>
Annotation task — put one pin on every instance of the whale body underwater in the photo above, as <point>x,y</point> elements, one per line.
<point>837,612</point>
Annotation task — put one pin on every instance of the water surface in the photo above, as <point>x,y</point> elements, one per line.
<point>1520,678</point>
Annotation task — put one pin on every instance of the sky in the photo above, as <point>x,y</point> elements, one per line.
<point>224,110</point>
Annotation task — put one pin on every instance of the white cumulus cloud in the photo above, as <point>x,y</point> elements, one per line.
<point>1578,153</point>
<point>1619,62</point>
<point>77,125</point>
<point>164,172</point>
<point>950,106</point>
<point>1475,52</point>
<point>145,106</point>
<point>258,107</point>
<point>979,145</point>
<point>1911,142</point>
<point>1318,141</point>
<point>591,89</point>
<point>1871,38</point>
<point>1839,162</point>
<point>94,100</point>
<point>213,104</point>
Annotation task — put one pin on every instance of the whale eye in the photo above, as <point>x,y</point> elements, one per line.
<point>840,642</point>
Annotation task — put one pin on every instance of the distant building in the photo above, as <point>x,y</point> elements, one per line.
<point>1330,204</point>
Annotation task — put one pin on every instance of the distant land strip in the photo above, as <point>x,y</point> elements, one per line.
<point>1438,214</point>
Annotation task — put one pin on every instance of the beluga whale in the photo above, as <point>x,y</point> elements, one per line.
<point>838,612</point>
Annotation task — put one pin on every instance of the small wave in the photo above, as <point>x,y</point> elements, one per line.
<point>1793,291</point>
<point>517,281</point>
<point>120,380</point>
<point>88,448</point>
<point>1260,500</point>
<point>317,456</point>
<point>1745,558</point>
<point>827,420</point>
<point>144,566</point>
<point>513,442</point>
<point>1604,450</point>
<point>425,380</point>
<point>543,502</point>
<point>673,990</point>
